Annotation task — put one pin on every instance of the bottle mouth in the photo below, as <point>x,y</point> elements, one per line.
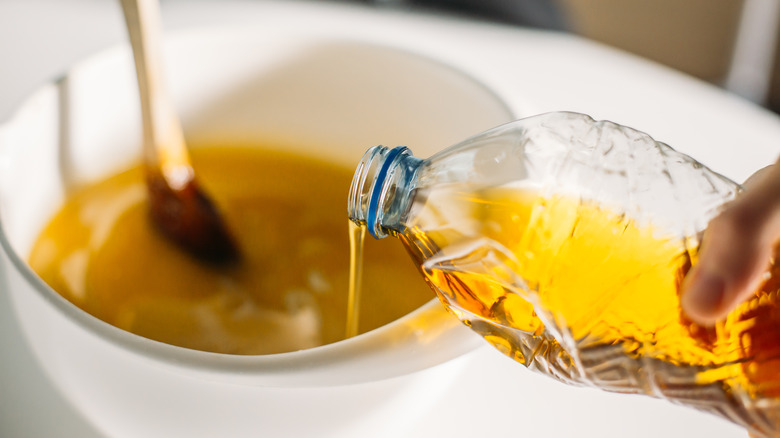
<point>368,188</point>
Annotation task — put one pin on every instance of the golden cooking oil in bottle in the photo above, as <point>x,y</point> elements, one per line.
<point>563,242</point>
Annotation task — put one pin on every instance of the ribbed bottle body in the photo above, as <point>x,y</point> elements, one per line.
<point>563,242</point>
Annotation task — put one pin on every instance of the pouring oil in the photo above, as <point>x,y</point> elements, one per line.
<point>563,241</point>
<point>357,236</point>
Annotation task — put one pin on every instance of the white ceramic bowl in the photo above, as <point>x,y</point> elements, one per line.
<point>330,98</point>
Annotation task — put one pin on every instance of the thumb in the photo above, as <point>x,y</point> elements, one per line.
<point>736,251</point>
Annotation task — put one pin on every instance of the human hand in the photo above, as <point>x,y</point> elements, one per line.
<point>736,250</point>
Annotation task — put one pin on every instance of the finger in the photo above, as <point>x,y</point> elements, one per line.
<point>757,177</point>
<point>735,253</point>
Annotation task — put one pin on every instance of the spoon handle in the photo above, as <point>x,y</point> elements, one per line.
<point>164,145</point>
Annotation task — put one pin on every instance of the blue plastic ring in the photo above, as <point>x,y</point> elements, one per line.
<point>379,181</point>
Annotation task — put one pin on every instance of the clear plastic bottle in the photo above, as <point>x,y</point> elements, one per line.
<point>563,241</point>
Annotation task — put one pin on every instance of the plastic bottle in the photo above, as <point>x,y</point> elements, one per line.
<point>563,241</point>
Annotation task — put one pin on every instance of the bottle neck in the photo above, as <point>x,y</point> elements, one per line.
<point>381,189</point>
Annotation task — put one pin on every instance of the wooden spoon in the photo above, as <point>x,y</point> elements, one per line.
<point>178,206</point>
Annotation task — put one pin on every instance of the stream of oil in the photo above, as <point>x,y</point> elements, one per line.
<point>357,236</point>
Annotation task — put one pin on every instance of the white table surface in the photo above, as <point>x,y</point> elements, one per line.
<point>534,71</point>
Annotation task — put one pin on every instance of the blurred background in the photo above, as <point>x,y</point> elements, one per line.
<point>729,43</point>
